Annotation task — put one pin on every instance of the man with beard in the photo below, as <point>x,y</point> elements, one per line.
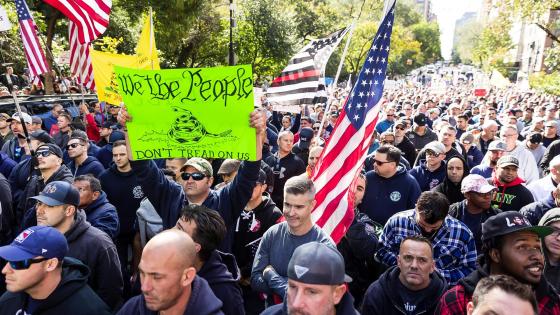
<point>454,244</point>
<point>512,246</point>
<point>511,193</point>
<point>495,151</point>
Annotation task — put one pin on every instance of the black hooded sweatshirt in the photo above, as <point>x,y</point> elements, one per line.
<point>221,272</point>
<point>201,302</point>
<point>344,307</point>
<point>71,296</point>
<point>384,296</point>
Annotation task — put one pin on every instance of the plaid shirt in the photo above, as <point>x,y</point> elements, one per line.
<point>454,245</point>
<point>455,300</point>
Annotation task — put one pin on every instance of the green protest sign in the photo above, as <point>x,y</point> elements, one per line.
<point>189,112</point>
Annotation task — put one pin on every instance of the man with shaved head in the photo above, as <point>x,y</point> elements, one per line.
<point>169,281</point>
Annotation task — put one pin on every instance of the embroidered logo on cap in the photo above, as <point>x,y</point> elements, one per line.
<point>23,236</point>
<point>300,271</point>
<point>43,251</point>
<point>50,189</point>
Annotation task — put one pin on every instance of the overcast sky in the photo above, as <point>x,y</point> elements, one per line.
<point>448,11</point>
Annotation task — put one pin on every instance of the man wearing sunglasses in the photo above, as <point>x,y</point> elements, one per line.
<point>82,163</point>
<point>40,280</point>
<point>51,168</point>
<point>197,176</point>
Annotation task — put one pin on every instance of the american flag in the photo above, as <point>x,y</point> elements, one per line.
<point>298,83</point>
<point>90,16</point>
<point>80,61</point>
<point>346,149</point>
<point>28,30</point>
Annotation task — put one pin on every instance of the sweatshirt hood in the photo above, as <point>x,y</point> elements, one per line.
<point>74,277</point>
<point>79,227</point>
<point>97,203</point>
<point>390,279</point>
<point>219,268</point>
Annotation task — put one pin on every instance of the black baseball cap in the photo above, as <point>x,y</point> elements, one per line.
<point>317,263</point>
<point>420,119</point>
<point>508,222</point>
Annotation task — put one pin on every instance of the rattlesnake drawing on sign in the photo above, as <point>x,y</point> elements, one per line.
<point>187,130</point>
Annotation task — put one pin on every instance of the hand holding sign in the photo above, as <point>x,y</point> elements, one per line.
<point>190,112</point>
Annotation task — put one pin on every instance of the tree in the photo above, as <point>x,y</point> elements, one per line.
<point>427,33</point>
<point>466,36</point>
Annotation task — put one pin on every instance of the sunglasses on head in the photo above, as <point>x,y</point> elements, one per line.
<point>73,145</point>
<point>25,264</point>
<point>195,176</point>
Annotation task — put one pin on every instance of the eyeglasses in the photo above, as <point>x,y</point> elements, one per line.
<point>25,264</point>
<point>400,128</point>
<point>316,128</point>
<point>431,153</point>
<point>73,145</point>
<point>555,234</point>
<point>389,115</point>
<point>381,162</point>
<point>44,153</point>
<point>387,142</point>
<point>195,176</point>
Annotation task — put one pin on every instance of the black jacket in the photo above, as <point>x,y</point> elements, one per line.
<point>535,210</point>
<point>96,250</point>
<point>222,275</point>
<point>201,302</point>
<point>551,151</point>
<point>358,247</point>
<point>383,297</point>
<point>408,150</point>
<point>249,228</point>
<point>26,209</point>
<point>284,169</point>
<point>458,209</point>
<point>72,296</point>
<point>7,218</point>
<point>345,307</point>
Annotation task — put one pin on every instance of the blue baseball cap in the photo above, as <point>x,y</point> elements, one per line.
<point>59,193</point>
<point>36,241</point>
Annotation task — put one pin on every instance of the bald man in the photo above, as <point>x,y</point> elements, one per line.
<point>169,281</point>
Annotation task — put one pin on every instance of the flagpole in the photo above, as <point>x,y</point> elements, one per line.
<point>327,104</point>
<point>57,68</point>
<point>151,38</point>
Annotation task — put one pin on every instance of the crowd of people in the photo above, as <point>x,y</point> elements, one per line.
<point>456,211</point>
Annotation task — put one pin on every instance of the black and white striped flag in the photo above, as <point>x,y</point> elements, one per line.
<point>297,85</point>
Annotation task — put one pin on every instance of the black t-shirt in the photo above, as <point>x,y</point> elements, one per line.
<point>412,300</point>
<point>474,223</point>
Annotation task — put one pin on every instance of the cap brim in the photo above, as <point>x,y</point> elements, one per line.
<point>48,201</point>
<point>508,164</point>
<point>486,189</point>
<point>14,253</point>
<point>541,231</point>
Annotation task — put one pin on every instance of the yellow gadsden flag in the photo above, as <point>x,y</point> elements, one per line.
<point>146,48</point>
<point>103,64</point>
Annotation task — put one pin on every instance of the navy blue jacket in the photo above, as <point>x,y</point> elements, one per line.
<point>168,197</point>
<point>103,215</point>
<point>90,166</point>
<point>474,156</point>
<point>383,297</point>
<point>535,210</point>
<point>105,155</point>
<point>386,196</point>
<point>427,179</point>
<point>125,193</point>
<point>222,274</point>
<point>201,302</point>
<point>6,164</point>
<point>19,178</point>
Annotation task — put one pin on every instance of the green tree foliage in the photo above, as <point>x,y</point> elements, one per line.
<point>466,35</point>
<point>425,33</point>
<point>493,44</point>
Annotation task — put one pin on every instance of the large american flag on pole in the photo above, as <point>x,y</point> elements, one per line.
<point>346,148</point>
<point>91,16</point>
<point>32,47</point>
<point>80,61</point>
<point>298,83</point>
